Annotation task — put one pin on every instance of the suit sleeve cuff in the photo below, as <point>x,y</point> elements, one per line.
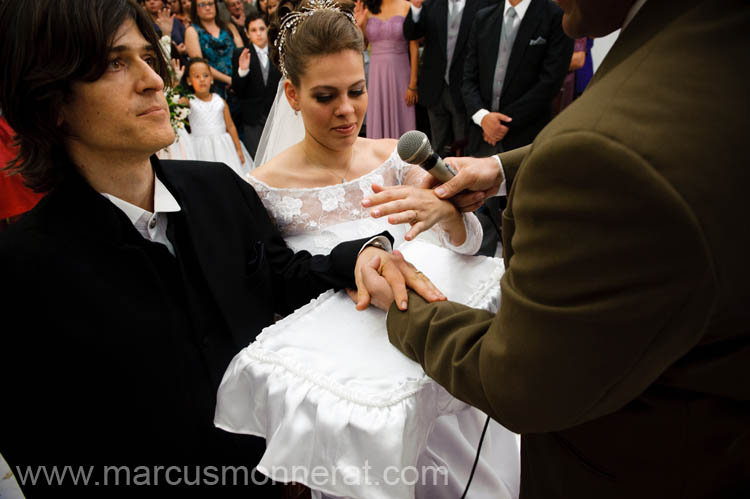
<point>503,190</point>
<point>242,72</point>
<point>381,242</point>
<point>479,116</point>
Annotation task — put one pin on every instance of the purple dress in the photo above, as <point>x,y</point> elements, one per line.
<point>388,116</point>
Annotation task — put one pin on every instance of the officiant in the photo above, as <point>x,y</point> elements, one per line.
<point>621,349</point>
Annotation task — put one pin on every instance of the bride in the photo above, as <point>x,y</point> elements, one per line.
<point>323,385</point>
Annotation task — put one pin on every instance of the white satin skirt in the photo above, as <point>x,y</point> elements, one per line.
<point>352,415</point>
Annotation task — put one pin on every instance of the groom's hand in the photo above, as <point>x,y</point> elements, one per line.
<point>382,277</point>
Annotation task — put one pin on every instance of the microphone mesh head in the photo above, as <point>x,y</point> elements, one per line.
<point>413,147</point>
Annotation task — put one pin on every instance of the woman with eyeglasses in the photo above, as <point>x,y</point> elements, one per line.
<point>212,39</point>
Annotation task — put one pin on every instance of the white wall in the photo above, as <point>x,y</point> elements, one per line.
<point>601,47</point>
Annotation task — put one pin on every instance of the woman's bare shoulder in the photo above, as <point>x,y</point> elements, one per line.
<point>277,171</point>
<point>383,148</point>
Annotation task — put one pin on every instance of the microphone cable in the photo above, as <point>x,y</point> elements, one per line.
<point>476,459</point>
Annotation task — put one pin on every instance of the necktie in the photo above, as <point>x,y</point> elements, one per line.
<point>510,27</point>
<point>454,23</point>
<point>263,59</point>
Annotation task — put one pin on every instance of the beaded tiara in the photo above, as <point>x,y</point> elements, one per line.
<point>290,22</point>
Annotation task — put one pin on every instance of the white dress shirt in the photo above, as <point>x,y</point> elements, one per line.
<point>521,9</point>
<point>152,226</point>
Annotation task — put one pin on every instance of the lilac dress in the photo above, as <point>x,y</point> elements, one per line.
<point>388,116</point>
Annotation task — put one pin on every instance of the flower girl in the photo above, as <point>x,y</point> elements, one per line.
<point>214,136</point>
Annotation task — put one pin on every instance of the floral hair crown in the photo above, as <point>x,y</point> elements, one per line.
<point>290,22</point>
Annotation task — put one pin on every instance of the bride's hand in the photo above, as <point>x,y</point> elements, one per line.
<point>418,207</point>
<point>382,277</point>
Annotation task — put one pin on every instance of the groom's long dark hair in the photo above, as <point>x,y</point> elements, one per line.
<point>45,45</point>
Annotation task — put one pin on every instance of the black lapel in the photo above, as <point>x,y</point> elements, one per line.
<point>441,17</point>
<point>531,20</point>
<point>467,17</point>
<point>255,68</point>
<point>490,50</point>
<point>210,222</point>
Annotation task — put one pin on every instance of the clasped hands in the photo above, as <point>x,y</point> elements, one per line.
<point>493,127</point>
<point>382,277</point>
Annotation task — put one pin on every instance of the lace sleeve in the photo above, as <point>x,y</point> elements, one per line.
<point>412,175</point>
<point>266,196</point>
<point>474,234</point>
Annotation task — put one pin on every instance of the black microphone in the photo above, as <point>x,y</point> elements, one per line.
<point>414,148</point>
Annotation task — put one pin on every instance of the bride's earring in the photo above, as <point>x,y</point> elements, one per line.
<point>296,112</point>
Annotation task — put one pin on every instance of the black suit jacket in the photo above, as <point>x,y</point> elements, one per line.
<point>100,366</point>
<point>433,26</point>
<point>256,98</point>
<point>534,74</point>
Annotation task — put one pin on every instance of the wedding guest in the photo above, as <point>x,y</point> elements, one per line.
<point>254,80</point>
<point>180,12</point>
<point>392,76</point>
<point>445,27</point>
<point>262,7</point>
<point>516,59</point>
<point>177,30</point>
<point>213,135</point>
<point>236,12</point>
<point>186,7</point>
<point>211,39</point>
<point>130,286</point>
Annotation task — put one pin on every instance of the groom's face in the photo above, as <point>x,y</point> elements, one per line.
<point>125,110</point>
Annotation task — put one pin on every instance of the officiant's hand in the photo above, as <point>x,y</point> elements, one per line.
<point>382,277</point>
<point>477,179</point>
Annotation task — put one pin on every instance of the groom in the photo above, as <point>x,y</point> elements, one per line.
<point>131,285</point>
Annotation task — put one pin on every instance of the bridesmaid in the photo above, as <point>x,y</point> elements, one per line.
<point>392,79</point>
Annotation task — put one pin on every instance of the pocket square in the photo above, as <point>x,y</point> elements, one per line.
<point>538,41</point>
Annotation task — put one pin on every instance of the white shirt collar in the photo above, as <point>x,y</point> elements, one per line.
<point>521,8</point>
<point>164,202</point>
<point>632,12</point>
<point>264,49</point>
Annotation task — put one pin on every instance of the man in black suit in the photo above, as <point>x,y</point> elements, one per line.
<point>254,80</point>
<point>133,282</point>
<point>444,25</point>
<point>516,60</point>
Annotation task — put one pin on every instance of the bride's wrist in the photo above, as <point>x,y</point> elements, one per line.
<point>455,228</point>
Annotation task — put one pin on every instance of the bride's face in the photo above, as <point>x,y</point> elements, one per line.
<point>332,98</point>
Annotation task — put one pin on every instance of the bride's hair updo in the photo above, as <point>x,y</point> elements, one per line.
<point>303,29</point>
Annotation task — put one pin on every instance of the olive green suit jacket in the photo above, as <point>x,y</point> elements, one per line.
<point>621,349</point>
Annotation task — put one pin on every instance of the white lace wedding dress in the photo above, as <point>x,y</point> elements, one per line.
<point>325,388</point>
